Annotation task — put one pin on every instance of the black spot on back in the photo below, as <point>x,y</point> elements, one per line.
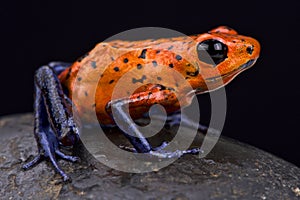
<point>93,64</point>
<point>125,60</point>
<point>82,57</point>
<point>141,80</point>
<point>178,57</point>
<point>116,69</point>
<point>143,54</point>
<point>154,63</point>
<point>139,66</point>
<point>170,47</point>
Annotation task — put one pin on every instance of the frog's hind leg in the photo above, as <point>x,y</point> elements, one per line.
<point>59,67</point>
<point>50,106</point>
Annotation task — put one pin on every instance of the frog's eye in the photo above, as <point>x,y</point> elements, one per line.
<point>215,50</point>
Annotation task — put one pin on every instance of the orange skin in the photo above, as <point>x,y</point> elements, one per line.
<point>102,68</point>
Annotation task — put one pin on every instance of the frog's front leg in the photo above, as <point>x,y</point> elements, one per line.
<point>137,139</point>
<point>54,124</point>
<point>177,119</point>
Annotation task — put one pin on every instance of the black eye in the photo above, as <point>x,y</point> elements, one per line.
<point>215,50</point>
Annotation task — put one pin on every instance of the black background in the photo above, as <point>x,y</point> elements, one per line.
<point>263,102</point>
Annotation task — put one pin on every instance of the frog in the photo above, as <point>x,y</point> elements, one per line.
<point>55,124</point>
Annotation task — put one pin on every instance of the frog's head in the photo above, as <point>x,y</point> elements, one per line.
<point>231,54</point>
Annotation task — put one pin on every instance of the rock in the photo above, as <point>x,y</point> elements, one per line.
<point>233,170</point>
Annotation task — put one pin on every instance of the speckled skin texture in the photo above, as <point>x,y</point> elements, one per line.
<point>231,171</point>
<point>101,69</point>
<point>94,77</point>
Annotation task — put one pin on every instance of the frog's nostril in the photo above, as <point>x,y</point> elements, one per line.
<point>250,49</point>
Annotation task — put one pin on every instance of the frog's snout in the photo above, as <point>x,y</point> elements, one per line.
<point>248,64</point>
<point>253,49</point>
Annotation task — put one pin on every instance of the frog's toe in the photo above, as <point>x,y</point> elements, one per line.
<point>37,159</point>
<point>162,146</point>
<point>64,176</point>
<point>48,155</point>
<point>67,157</point>
<point>193,151</point>
<point>126,148</point>
<point>66,179</point>
<point>174,154</point>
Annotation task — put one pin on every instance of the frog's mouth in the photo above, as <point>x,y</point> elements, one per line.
<point>233,73</point>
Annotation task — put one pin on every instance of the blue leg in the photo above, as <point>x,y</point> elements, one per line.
<point>140,143</point>
<point>175,119</point>
<point>59,67</point>
<point>52,119</point>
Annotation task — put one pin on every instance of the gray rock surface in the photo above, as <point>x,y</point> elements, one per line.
<point>232,170</point>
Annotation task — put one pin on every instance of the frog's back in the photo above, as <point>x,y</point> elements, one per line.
<point>92,79</point>
<point>100,69</point>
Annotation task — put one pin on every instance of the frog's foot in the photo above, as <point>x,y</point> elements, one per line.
<point>126,148</point>
<point>52,158</point>
<point>49,150</point>
<point>161,153</point>
<point>132,149</point>
<point>174,154</point>
<point>138,140</point>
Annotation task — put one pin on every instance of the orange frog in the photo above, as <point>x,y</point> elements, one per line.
<point>204,61</point>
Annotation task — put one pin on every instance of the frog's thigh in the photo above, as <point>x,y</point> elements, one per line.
<point>59,67</point>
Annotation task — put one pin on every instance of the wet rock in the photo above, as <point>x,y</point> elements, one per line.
<point>232,170</point>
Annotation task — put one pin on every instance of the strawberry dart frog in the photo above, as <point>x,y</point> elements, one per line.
<point>54,123</point>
